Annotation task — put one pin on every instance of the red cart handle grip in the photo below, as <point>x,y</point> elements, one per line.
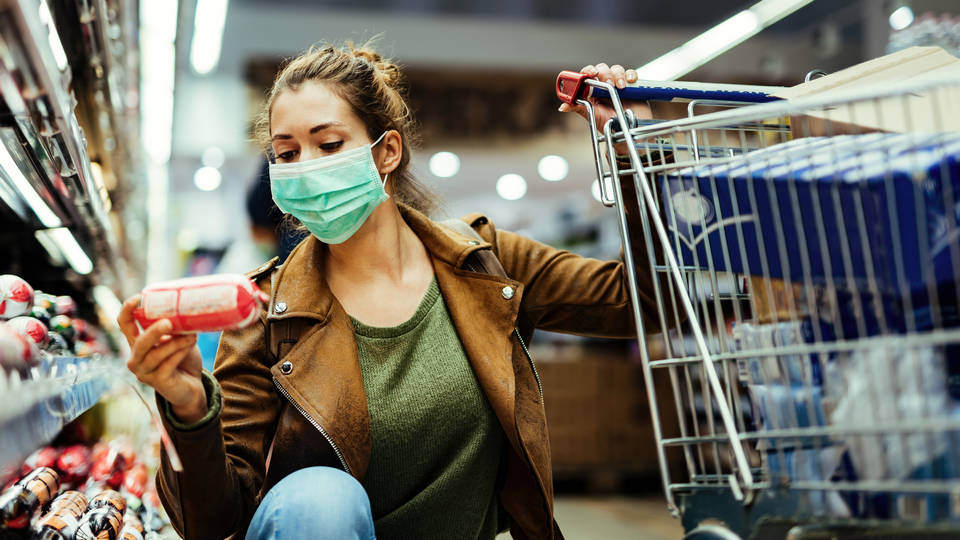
<point>570,86</point>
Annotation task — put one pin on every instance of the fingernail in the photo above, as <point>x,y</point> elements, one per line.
<point>621,83</point>
<point>563,107</point>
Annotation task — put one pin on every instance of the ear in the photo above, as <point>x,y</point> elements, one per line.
<point>390,152</point>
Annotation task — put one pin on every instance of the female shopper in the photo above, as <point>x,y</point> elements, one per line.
<point>386,390</point>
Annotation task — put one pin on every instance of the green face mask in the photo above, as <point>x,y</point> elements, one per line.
<point>333,195</point>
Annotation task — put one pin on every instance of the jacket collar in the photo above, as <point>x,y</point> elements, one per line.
<point>300,289</point>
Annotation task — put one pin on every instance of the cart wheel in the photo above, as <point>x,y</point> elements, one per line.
<point>711,532</point>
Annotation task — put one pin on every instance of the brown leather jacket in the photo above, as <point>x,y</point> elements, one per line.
<point>310,408</point>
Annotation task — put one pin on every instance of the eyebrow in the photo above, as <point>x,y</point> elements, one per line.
<point>315,129</point>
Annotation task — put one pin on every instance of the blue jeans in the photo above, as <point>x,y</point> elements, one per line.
<point>318,502</point>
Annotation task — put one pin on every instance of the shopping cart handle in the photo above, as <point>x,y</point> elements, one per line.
<point>570,85</point>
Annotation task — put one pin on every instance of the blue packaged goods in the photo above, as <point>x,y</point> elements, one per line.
<point>876,211</point>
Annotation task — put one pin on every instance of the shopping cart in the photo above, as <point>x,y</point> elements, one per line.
<point>805,302</point>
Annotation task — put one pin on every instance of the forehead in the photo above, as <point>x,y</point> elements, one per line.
<point>310,104</point>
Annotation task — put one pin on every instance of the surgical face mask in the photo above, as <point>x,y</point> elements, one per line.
<point>332,195</point>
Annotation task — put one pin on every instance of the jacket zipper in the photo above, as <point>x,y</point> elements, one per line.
<point>316,424</point>
<point>530,359</point>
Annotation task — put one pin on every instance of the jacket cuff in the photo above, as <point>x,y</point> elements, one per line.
<point>214,404</point>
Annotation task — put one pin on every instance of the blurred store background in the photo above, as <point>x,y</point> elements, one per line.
<point>163,180</point>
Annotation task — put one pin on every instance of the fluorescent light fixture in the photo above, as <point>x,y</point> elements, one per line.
<point>56,46</point>
<point>108,301</point>
<point>718,40</point>
<point>36,203</point>
<point>207,178</point>
<point>444,164</point>
<point>511,187</point>
<point>213,157</point>
<point>901,18</point>
<point>68,248</point>
<point>158,30</point>
<point>208,25</point>
<point>553,168</point>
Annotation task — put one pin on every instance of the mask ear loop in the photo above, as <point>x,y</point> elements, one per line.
<point>380,138</point>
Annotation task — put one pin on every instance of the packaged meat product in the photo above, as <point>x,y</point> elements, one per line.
<point>104,517</point>
<point>17,353</point>
<point>74,464</point>
<point>64,305</point>
<point>109,465</point>
<point>63,325</point>
<point>16,296</point>
<point>31,328</point>
<point>40,314</point>
<point>31,492</point>
<point>135,480</point>
<point>57,344</point>
<point>62,519</point>
<point>44,457</point>
<point>201,304</point>
<point>132,528</point>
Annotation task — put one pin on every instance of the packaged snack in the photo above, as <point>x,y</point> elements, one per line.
<point>201,304</point>
<point>16,296</point>
<point>132,528</point>
<point>104,517</point>
<point>64,305</point>
<point>63,325</point>
<point>30,493</point>
<point>63,518</point>
<point>57,344</point>
<point>31,328</point>
<point>74,464</point>
<point>109,465</point>
<point>135,480</point>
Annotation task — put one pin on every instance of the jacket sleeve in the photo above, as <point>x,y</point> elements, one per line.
<point>564,292</point>
<point>224,458</point>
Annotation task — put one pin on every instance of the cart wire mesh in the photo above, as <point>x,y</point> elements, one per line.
<point>804,305</point>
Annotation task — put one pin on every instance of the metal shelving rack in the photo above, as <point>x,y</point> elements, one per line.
<point>69,145</point>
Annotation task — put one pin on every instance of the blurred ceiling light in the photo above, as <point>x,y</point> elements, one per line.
<point>36,203</point>
<point>56,46</point>
<point>67,247</point>
<point>718,40</point>
<point>208,25</point>
<point>553,168</point>
<point>595,190</point>
<point>511,187</point>
<point>108,301</point>
<point>444,164</point>
<point>213,157</point>
<point>158,31</point>
<point>207,178</point>
<point>901,18</point>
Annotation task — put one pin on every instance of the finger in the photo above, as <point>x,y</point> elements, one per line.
<point>590,70</point>
<point>159,353</point>
<point>171,363</point>
<point>619,75</point>
<point>148,339</point>
<point>128,325</point>
<point>632,76</point>
<point>603,73</point>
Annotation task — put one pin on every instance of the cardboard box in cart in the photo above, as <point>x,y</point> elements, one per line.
<point>928,111</point>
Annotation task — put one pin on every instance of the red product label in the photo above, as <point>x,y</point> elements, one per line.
<point>208,303</point>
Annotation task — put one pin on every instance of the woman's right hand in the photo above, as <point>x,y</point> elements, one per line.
<point>170,364</point>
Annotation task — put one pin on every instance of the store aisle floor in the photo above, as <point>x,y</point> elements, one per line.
<point>614,518</point>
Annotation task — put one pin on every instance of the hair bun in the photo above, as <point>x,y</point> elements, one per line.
<point>386,69</point>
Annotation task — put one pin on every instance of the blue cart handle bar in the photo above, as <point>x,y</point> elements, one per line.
<point>571,87</point>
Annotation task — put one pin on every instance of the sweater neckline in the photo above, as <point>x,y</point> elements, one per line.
<point>426,304</point>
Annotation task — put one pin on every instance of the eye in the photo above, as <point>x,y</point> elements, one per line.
<point>286,156</point>
<point>331,146</point>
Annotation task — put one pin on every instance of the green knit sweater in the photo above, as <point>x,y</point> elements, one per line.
<point>436,442</point>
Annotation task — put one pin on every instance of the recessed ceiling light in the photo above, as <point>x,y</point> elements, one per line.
<point>901,18</point>
<point>553,168</point>
<point>213,157</point>
<point>207,178</point>
<point>444,164</point>
<point>511,187</point>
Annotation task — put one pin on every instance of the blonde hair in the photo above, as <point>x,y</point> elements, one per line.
<point>374,88</point>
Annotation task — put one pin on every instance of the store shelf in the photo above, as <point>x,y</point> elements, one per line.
<point>33,411</point>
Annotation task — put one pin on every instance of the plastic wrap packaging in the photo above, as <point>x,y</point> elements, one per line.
<point>74,464</point>
<point>30,493</point>
<point>104,517</point>
<point>62,519</point>
<point>891,386</point>
<point>17,353</point>
<point>43,457</point>
<point>132,528</point>
<point>31,328</point>
<point>201,304</point>
<point>16,296</point>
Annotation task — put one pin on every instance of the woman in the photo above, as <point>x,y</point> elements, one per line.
<point>384,387</point>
